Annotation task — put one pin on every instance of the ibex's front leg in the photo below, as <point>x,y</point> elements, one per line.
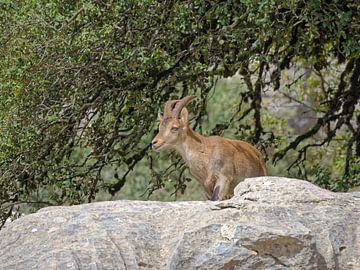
<point>209,185</point>
<point>221,188</point>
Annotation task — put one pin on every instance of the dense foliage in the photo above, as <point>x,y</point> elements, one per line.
<point>82,83</point>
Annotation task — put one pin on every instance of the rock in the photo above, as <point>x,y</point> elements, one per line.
<point>270,223</point>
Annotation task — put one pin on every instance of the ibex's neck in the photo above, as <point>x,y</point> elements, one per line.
<point>192,142</point>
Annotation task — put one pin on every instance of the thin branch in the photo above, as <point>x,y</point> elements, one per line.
<point>72,18</point>
<point>297,101</point>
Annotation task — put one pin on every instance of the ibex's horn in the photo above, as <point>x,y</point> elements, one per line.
<point>180,104</point>
<point>169,107</point>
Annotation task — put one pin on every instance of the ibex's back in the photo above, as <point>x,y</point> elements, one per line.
<point>248,156</point>
<point>219,164</point>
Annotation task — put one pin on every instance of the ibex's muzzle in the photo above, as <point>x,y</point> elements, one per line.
<point>155,144</point>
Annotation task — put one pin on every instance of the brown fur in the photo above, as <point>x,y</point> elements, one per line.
<point>218,163</point>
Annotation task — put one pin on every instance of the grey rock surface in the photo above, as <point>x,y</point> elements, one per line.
<point>271,223</point>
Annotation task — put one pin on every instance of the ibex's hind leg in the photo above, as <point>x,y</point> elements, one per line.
<point>221,189</point>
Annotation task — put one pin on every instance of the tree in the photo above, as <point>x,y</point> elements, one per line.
<point>83,81</point>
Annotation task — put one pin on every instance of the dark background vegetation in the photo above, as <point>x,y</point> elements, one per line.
<point>82,83</point>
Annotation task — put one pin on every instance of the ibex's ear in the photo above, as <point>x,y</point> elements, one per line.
<point>184,116</point>
<point>160,117</point>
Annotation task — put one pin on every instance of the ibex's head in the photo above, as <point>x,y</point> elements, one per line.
<point>173,124</point>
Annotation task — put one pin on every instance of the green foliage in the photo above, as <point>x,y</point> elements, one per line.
<point>83,81</point>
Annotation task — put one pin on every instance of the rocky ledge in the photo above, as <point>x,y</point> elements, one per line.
<point>270,223</point>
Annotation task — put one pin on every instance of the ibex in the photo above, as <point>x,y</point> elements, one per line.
<point>218,163</point>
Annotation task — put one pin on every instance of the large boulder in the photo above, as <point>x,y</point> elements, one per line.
<point>270,223</point>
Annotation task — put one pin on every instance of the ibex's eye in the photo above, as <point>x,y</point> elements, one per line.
<point>174,129</point>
